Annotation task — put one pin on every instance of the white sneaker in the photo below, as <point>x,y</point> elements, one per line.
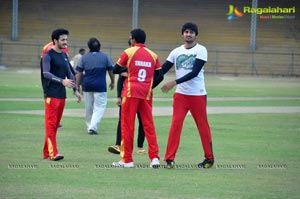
<point>123,164</point>
<point>154,163</point>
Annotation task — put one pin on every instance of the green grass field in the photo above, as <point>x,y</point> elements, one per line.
<point>257,155</point>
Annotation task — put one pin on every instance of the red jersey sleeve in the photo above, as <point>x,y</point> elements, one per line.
<point>123,60</point>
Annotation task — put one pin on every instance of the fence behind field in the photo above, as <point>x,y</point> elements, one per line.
<point>232,61</point>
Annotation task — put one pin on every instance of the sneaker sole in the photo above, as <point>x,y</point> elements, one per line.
<point>141,152</point>
<point>58,158</point>
<point>113,150</point>
<point>156,166</point>
<point>169,167</point>
<point>92,132</point>
<point>206,166</point>
<point>126,165</point>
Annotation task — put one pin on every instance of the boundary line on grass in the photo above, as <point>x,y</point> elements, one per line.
<point>167,111</point>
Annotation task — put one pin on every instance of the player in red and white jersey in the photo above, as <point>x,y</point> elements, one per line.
<point>142,64</point>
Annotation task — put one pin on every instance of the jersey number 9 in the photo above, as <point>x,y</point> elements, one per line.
<point>142,75</point>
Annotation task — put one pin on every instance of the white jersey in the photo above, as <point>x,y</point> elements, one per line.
<point>184,59</point>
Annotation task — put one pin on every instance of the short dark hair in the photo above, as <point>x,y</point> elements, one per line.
<point>81,50</point>
<point>94,44</point>
<point>190,26</point>
<point>58,32</point>
<point>139,35</point>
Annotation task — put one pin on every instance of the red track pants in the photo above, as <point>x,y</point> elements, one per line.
<point>53,112</point>
<point>130,106</point>
<point>197,106</point>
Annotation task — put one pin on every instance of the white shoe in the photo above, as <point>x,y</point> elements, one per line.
<point>154,163</point>
<point>123,164</point>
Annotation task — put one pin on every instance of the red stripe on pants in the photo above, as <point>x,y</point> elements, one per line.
<point>130,106</point>
<point>53,112</point>
<point>197,106</point>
